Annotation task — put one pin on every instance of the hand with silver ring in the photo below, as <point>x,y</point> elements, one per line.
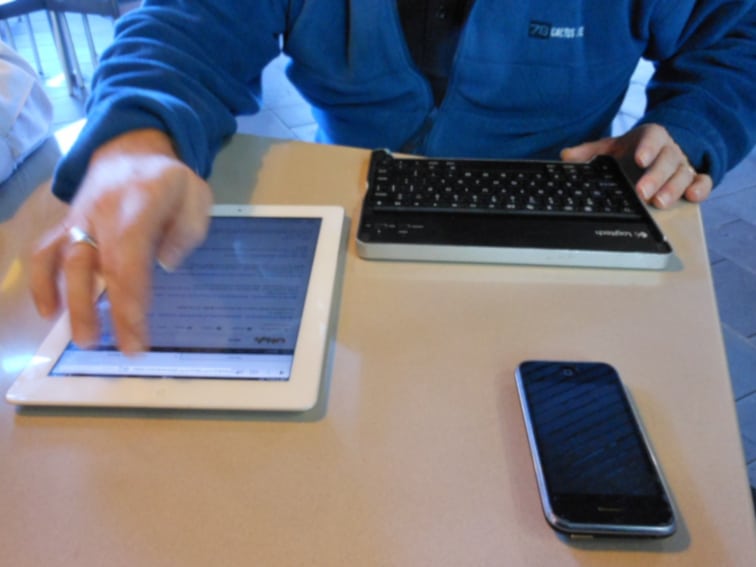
<point>137,203</point>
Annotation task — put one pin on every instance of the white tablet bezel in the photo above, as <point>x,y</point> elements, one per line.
<point>35,387</point>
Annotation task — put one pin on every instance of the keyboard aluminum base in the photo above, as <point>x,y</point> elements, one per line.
<point>509,255</point>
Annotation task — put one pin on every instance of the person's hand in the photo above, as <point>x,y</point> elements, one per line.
<point>649,153</point>
<point>137,202</point>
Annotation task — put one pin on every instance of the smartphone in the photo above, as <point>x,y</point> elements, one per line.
<point>595,469</point>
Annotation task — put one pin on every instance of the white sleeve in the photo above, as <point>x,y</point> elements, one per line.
<point>25,111</point>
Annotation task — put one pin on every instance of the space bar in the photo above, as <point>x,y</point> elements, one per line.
<point>518,212</point>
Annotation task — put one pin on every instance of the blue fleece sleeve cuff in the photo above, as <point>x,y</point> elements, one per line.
<point>100,128</point>
<point>119,115</point>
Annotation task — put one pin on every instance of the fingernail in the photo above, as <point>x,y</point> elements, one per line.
<point>169,259</point>
<point>643,159</point>
<point>131,346</point>
<point>661,200</point>
<point>132,340</point>
<point>85,342</point>
<point>44,310</point>
<point>645,191</point>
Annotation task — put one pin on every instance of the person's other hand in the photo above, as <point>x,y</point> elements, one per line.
<point>138,202</point>
<point>649,154</point>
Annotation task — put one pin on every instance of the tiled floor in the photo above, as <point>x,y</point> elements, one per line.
<point>729,215</point>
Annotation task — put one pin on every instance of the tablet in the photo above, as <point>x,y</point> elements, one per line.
<point>243,324</point>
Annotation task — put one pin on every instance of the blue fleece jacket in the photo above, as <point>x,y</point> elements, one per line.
<point>529,77</point>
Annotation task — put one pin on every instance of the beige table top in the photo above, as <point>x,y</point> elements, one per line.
<point>416,455</point>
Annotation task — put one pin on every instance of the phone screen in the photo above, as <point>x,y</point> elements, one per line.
<point>595,465</point>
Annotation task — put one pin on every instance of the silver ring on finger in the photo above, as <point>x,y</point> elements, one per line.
<point>77,235</point>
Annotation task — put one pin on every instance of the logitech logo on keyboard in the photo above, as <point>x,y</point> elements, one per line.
<point>617,233</point>
<point>545,30</point>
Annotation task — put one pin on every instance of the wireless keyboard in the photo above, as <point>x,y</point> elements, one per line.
<point>508,211</point>
<point>527,187</point>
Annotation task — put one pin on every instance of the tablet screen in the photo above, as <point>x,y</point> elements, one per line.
<point>231,311</point>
